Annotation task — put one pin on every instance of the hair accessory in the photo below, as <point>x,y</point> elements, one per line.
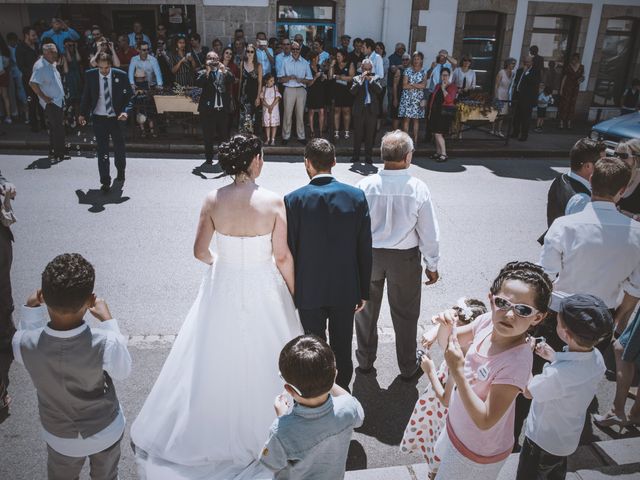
<point>461,303</point>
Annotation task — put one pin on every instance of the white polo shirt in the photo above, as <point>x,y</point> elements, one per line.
<point>561,395</point>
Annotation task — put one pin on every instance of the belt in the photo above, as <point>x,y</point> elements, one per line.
<point>103,116</point>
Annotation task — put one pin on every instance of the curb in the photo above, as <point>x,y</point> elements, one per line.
<point>296,151</point>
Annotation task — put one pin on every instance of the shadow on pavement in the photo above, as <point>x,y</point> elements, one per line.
<point>40,164</point>
<point>98,199</point>
<point>364,169</point>
<point>386,411</point>
<point>200,171</point>
<point>357,457</point>
<point>450,166</point>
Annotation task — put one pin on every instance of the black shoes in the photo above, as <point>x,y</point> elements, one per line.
<point>285,141</point>
<point>368,161</point>
<point>105,188</point>
<point>303,141</point>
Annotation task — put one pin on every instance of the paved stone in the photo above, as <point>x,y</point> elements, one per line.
<point>391,473</point>
<point>620,452</point>
<point>626,472</point>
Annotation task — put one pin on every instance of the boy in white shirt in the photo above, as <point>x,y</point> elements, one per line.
<point>563,391</point>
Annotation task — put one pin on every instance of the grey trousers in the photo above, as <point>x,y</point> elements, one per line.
<point>294,102</point>
<point>104,464</point>
<point>403,272</point>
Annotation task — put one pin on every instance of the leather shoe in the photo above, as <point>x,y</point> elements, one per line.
<point>285,141</point>
<point>303,141</point>
<point>368,161</point>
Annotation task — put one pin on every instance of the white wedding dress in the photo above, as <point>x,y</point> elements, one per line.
<point>209,412</point>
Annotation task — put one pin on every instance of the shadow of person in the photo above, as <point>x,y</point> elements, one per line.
<point>446,167</point>
<point>386,411</point>
<point>356,457</point>
<point>40,164</point>
<point>200,171</point>
<point>98,199</point>
<point>363,169</point>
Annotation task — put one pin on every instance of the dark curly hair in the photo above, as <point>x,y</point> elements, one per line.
<point>532,275</point>
<point>308,363</point>
<point>67,282</point>
<point>237,154</point>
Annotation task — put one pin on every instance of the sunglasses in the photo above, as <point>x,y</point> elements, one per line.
<point>251,51</point>
<point>293,387</point>
<point>295,49</point>
<point>520,309</point>
<point>624,155</point>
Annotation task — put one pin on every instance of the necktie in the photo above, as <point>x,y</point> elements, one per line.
<point>464,82</point>
<point>367,97</point>
<point>107,98</point>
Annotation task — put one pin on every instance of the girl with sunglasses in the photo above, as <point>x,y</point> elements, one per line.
<point>478,437</point>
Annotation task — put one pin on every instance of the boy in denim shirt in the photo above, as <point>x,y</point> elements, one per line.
<point>311,439</point>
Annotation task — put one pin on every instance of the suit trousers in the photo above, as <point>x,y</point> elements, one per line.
<point>105,127</point>
<point>402,271</point>
<point>215,126</point>
<point>364,128</point>
<point>104,464</point>
<point>314,321</point>
<point>521,119</point>
<point>294,101</point>
<point>7,329</point>
<point>535,463</point>
<point>55,117</point>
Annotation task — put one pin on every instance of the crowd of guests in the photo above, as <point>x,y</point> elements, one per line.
<point>558,319</point>
<point>273,82</point>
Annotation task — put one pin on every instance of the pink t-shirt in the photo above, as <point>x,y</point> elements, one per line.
<point>511,367</point>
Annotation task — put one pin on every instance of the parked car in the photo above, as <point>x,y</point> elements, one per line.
<point>616,130</point>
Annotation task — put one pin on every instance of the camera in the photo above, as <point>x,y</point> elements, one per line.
<point>419,354</point>
<point>262,43</point>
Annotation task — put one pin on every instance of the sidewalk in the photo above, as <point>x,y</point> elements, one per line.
<point>598,461</point>
<point>551,143</point>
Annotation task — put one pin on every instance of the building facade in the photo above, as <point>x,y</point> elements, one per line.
<point>605,33</point>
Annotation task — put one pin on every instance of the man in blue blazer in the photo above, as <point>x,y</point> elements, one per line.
<point>108,98</point>
<point>329,234</point>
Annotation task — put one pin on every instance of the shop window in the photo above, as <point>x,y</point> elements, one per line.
<point>312,19</point>
<point>555,38</point>
<point>616,61</point>
<point>482,38</point>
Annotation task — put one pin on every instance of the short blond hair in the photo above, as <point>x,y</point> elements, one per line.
<point>396,145</point>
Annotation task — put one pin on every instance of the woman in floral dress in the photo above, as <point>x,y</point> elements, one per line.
<point>412,100</point>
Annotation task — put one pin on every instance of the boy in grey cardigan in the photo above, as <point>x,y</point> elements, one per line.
<point>71,366</point>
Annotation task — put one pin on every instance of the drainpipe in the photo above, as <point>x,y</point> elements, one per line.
<point>385,16</point>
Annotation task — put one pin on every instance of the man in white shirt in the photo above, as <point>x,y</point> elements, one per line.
<point>597,251</point>
<point>296,75</point>
<point>369,51</point>
<point>403,227</point>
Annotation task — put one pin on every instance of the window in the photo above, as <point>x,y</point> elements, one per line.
<point>554,37</point>
<point>482,42</point>
<point>616,61</point>
<point>309,18</point>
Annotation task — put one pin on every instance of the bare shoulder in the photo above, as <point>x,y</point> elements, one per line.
<point>211,199</point>
<point>273,199</point>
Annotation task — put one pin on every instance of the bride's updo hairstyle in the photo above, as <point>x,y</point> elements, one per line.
<point>236,155</point>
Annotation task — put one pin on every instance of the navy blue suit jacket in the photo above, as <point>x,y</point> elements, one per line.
<point>121,93</point>
<point>329,234</point>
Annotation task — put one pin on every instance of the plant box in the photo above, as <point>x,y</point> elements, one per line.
<point>175,103</point>
<point>475,114</point>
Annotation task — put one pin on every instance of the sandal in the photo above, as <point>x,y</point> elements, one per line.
<point>442,158</point>
<point>610,419</point>
<point>336,135</point>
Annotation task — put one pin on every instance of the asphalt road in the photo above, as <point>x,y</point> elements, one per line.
<point>140,241</point>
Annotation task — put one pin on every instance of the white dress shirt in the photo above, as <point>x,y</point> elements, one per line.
<point>561,395</point>
<point>116,362</point>
<point>378,64</point>
<point>46,75</point>
<point>580,200</point>
<point>596,251</point>
<point>296,68</point>
<point>402,214</point>
<point>101,107</point>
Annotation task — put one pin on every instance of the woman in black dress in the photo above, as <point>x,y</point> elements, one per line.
<point>316,94</point>
<point>342,72</point>
<point>250,88</point>
<point>441,112</point>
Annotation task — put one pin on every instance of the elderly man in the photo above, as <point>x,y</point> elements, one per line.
<point>7,329</point>
<point>296,75</point>
<point>404,228</point>
<point>137,29</point>
<point>304,49</point>
<point>524,96</point>
<point>366,89</point>
<point>46,83</point>
<point>149,64</point>
<point>214,106</point>
<point>59,32</point>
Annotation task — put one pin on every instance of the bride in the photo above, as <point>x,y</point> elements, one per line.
<point>209,412</point>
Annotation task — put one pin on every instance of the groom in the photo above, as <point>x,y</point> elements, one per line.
<point>329,234</point>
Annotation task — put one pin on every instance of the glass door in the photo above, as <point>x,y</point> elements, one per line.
<point>481,41</point>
